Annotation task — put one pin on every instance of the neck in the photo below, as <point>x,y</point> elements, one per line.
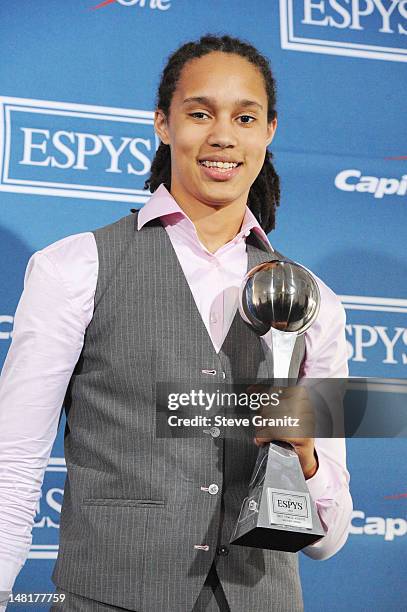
<point>215,225</point>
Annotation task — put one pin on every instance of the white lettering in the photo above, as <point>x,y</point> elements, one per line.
<point>386,187</point>
<point>377,525</point>
<point>379,187</point>
<point>114,153</point>
<point>402,190</point>
<point>403,13</point>
<point>131,2</point>
<point>386,15</point>
<point>140,156</point>
<point>367,183</point>
<point>349,345</point>
<point>342,11</point>
<point>404,355</point>
<point>64,149</point>
<point>6,335</point>
<point>389,344</point>
<point>51,501</point>
<point>341,180</point>
<point>308,6</point>
<point>356,514</point>
<point>29,146</point>
<point>83,152</point>
<point>395,527</point>
<point>316,13</point>
<point>360,343</point>
<point>162,5</point>
<point>357,13</point>
<point>366,336</point>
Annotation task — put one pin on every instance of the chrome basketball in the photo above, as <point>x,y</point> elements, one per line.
<point>281,295</point>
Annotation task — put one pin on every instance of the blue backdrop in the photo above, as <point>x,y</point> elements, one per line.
<point>77,83</point>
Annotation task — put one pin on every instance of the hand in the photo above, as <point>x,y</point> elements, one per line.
<point>292,421</point>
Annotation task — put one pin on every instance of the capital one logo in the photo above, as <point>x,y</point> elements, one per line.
<point>75,150</point>
<point>374,29</point>
<point>388,528</point>
<point>161,5</point>
<point>353,179</point>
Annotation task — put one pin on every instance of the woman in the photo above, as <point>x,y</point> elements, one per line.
<point>146,521</point>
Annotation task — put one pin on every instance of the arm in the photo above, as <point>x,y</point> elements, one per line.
<point>326,357</point>
<point>50,321</point>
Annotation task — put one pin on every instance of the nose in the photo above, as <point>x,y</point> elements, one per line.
<point>222,133</point>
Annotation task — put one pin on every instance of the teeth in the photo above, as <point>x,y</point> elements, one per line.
<point>214,164</point>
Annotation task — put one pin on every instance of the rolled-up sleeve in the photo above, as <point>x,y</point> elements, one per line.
<point>326,358</point>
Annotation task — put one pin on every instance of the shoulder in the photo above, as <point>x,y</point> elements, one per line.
<point>331,307</point>
<point>69,254</point>
<point>71,264</point>
<point>78,254</point>
<point>122,227</point>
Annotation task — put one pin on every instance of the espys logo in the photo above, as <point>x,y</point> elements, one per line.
<point>161,5</point>
<point>379,337</point>
<point>388,528</point>
<point>374,29</point>
<point>75,150</point>
<point>354,180</point>
<point>46,523</point>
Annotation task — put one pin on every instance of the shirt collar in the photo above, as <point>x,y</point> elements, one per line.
<point>162,203</point>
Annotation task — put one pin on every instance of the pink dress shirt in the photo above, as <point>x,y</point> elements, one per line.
<point>53,313</point>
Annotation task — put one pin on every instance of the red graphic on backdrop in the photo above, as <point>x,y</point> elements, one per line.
<point>397,496</point>
<point>105,3</point>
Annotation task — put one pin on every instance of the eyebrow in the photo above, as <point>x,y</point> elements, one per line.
<point>212,102</point>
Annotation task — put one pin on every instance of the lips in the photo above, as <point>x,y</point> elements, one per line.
<point>219,174</point>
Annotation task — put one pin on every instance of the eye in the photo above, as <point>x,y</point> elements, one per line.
<point>247,117</point>
<point>198,113</point>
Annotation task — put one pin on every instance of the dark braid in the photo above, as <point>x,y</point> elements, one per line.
<point>264,194</point>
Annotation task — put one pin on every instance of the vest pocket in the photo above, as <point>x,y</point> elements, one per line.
<point>140,503</point>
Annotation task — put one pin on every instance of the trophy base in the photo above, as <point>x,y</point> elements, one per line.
<point>276,539</point>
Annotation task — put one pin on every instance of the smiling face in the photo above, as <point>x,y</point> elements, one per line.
<point>218,113</point>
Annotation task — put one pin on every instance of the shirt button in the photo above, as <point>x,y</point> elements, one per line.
<point>222,550</point>
<point>215,432</point>
<point>213,489</point>
<point>213,317</point>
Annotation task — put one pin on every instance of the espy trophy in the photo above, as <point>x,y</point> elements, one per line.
<point>280,300</point>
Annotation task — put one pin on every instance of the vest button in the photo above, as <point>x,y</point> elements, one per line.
<point>213,489</point>
<point>215,432</point>
<point>222,550</point>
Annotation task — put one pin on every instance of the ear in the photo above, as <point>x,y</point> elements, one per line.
<point>271,128</point>
<point>161,126</point>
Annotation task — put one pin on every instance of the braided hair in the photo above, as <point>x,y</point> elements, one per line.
<point>264,194</point>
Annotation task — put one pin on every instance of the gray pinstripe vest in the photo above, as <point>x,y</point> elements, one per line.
<point>133,508</point>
